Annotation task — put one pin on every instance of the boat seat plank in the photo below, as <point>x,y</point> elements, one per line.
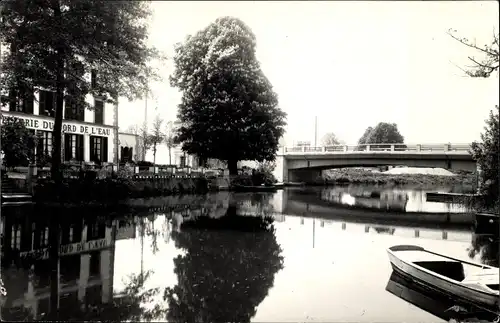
<point>418,256</point>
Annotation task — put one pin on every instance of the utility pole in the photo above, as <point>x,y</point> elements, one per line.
<point>315,132</point>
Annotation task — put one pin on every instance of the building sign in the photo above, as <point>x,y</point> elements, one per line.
<point>69,249</point>
<point>69,127</point>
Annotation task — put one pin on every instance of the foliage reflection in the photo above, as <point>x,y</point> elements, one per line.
<point>227,270</point>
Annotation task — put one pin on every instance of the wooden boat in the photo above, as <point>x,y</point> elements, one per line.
<point>434,302</point>
<point>262,188</point>
<point>471,282</point>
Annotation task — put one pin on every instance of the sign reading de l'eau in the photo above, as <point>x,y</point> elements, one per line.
<point>69,127</point>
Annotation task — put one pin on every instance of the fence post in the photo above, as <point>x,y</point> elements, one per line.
<point>367,147</point>
<point>393,147</point>
<point>346,148</point>
<point>419,147</point>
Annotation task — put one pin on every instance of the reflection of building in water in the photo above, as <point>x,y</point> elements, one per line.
<point>86,263</point>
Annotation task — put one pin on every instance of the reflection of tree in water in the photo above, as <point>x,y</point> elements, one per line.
<point>486,246</point>
<point>227,270</point>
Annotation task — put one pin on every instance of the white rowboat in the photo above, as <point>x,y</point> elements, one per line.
<point>472,282</point>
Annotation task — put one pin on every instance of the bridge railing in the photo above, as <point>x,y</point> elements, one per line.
<point>381,148</point>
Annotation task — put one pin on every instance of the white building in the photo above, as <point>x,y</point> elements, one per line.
<point>88,135</point>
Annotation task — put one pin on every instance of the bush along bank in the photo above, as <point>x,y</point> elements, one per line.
<point>362,176</point>
<point>111,190</point>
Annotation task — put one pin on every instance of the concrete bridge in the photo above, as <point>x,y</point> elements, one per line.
<point>303,164</point>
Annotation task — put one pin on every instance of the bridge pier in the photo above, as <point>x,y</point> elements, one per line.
<point>280,172</point>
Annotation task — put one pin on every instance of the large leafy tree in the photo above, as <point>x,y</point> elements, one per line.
<point>330,139</point>
<point>18,143</point>
<point>54,44</point>
<point>229,110</point>
<point>486,154</point>
<point>383,133</point>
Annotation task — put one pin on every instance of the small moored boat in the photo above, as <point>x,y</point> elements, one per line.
<point>471,282</point>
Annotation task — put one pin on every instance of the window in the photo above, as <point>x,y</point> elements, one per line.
<point>93,79</point>
<point>96,231</point>
<point>98,149</point>
<point>98,112</point>
<point>95,263</point>
<point>47,103</point>
<point>16,238</point>
<point>41,237</point>
<point>69,267</point>
<point>74,110</point>
<point>126,154</point>
<point>21,101</point>
<point>44,145</point>
<point>183,161</point>
<point>73,147</point>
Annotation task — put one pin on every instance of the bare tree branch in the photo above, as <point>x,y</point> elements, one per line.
<point>489,64</point>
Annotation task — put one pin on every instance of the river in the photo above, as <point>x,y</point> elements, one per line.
<point>176,264</point>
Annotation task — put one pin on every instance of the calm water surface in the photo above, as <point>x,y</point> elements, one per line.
<point>170,265</point>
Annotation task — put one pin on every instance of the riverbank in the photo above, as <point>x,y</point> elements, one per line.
<point>115,190</point>
<point>465,181</point>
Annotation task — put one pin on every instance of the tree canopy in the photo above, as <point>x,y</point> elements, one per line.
<point>383,133</point>
<point>18,143</point>
<point>330,139</point>
<point>229,110</point>
<point>55,45</point>
<point>486,153</point>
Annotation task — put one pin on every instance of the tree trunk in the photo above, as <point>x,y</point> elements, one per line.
<point>169,156</point>
<point>154,155</point>
<point>54,244</point>
<point>58,116</point>
<point>232,165</point>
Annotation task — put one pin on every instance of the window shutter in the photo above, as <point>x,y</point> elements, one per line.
<point>79,151</point>
<point>41,103</point>
<point>104,150</point>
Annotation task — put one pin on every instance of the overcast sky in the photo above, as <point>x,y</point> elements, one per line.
<point>351,64</point>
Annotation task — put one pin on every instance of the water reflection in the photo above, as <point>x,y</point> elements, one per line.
<point>435,303</point>
<point>85,263</point>
<point>223,257</point>
<point>227,270</point>
<point>387,199</point>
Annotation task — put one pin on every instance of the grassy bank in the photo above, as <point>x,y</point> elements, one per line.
<point>466,181</point>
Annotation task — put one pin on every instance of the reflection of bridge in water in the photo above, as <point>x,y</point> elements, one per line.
<point>423,233</point>
<point>311,205</point>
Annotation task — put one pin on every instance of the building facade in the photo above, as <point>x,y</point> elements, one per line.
<point>88,135</point>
